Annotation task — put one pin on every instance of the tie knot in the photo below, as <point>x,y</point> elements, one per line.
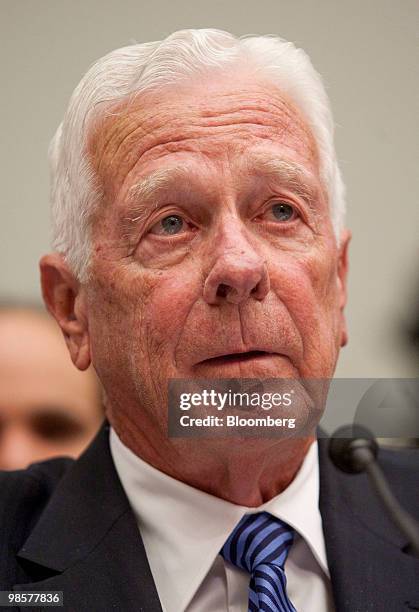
<point>258,539</point>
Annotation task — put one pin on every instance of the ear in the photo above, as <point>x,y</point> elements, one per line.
<point>342,282</point>
<point>65,299</point>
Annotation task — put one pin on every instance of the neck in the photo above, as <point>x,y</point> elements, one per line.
<point>244,471</point>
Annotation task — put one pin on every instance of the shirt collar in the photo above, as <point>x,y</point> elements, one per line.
<point>184,528</point>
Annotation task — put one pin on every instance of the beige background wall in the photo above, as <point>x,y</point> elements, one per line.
<point>367,54</point>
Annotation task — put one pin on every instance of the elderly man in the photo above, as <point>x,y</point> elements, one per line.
<point>199,234</point>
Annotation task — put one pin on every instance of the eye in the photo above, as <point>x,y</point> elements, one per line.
<point>169,226</point>
<point>282,211</point>
<point>55,425</point>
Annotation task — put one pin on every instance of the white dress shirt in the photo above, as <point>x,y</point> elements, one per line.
<point>184,528</point>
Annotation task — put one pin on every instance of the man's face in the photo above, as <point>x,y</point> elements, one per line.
<point>214,238</point>
<point>47,407</point>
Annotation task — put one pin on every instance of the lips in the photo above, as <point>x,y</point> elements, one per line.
<point>237,357</point>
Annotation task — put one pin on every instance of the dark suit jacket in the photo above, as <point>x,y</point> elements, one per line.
<point>68,526</point>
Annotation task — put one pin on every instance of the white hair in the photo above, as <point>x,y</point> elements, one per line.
<point>75,189</point>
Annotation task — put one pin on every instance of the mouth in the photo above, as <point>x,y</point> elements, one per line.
<point>233,358</point>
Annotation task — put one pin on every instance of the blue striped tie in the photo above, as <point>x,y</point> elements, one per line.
<point>260,544</point>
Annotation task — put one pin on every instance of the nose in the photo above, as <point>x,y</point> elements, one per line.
<point>239,272</point>
<point>17,449</point>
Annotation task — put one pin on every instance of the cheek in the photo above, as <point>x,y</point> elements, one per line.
<point>306,284</point>
<point>320,271</point>
<point>297,280</point>
<point>143,313</point>
<point>168,305</point>
<point>115,306</point>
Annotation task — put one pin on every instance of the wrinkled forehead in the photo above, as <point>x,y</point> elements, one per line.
<point>211,118</point>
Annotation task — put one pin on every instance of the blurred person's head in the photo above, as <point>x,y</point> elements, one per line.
<point>47,406</point>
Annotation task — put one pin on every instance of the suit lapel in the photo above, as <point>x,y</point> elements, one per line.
<point>87,542</point>
<point>368,568</point>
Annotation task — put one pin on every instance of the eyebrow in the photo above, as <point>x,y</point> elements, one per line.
<point>289,174</point>
<point>147,188</point>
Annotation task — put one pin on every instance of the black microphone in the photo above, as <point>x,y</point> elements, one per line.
<point>353,449</point>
